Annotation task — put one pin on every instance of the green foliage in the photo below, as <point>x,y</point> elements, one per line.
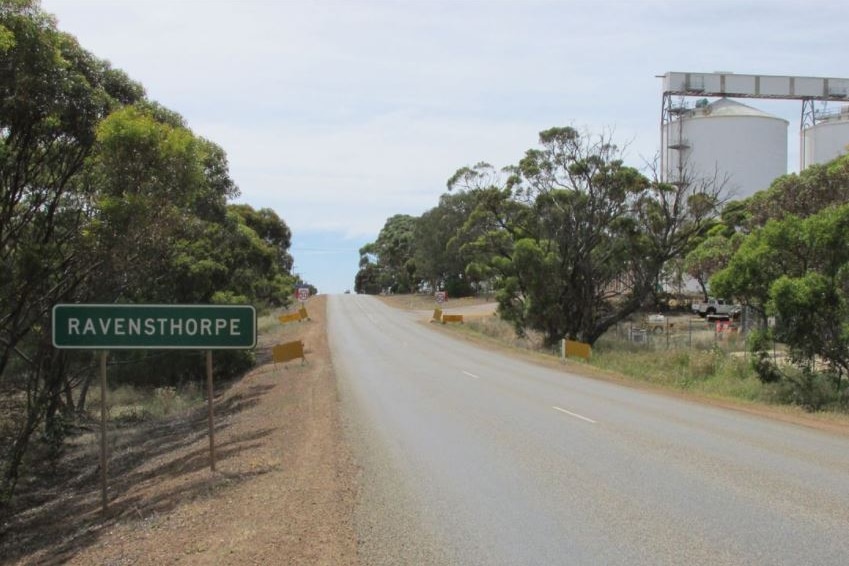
<point>229,262</point>
<point>367,280</point>
<point>710,256</point>
<point>798,270</point>
<point>811,390</point>
<point>388,264</point>
<point>803,194</point>
<point>439,259</point>
<point>573,239</point>
<point>106,196</point>
<point>759,344</point>
<point>763,257</point>
<point>794,265</point>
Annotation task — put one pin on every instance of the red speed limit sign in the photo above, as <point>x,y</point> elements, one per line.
<point>441,296</point>
<point>303,293</point>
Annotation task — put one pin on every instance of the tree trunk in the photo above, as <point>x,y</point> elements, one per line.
<point>19,446</point>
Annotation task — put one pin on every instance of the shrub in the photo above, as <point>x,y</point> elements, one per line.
<point>806,388</point>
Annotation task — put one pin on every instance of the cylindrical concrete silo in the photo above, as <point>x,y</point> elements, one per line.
<point>729,141</point>
<point>827,139</point>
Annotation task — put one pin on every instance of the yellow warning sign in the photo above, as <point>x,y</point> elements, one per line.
<point>577,349</point>
<point>291,317</point>
<point>288,351</point>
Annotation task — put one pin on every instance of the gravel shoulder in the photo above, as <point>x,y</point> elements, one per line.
<point>283,492</point>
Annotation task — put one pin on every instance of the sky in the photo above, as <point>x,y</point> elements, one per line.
<point>338,114</point>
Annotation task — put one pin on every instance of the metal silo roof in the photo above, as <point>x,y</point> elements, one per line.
<point>728,107</point>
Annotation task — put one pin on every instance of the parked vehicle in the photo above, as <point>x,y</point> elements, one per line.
<point>714,308</point>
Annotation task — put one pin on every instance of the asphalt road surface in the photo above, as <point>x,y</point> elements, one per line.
<point>471,457</point>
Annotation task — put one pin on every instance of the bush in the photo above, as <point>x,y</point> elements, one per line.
<point>131,404</point>
<point>763,364</point>
<point>805,388</point>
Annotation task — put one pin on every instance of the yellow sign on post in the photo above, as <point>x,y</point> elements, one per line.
<point>291,317</point>
<point>437,315</point>
<point>571,348</point>
<point>289,351</point>
<point>298,316</point>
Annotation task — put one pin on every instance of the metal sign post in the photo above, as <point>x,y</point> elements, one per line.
<point>103,459</point>
<point>211,413</point>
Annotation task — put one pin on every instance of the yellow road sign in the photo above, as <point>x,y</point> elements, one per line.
<point>288,351</point>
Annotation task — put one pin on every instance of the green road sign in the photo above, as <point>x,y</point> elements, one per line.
<point>162,327</point>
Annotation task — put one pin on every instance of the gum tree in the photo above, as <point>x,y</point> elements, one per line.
<point>575,239</point>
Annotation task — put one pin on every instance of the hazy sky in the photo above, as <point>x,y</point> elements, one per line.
<point>339,114</point>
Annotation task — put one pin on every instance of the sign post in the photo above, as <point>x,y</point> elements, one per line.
<point>103,460</point>
<point>163,327</point>
<point>303,293</point>
<point>211,415</point>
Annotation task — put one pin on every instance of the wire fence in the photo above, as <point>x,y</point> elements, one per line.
<point>681,331</point>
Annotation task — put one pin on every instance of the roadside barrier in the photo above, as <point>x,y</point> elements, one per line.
<point>571,348</point>
<point>289,351</point>
<point>452,318</point>
<point>294,316</point>
<point>437,315</point>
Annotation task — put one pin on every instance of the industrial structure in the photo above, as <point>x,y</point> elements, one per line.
<point>827,138</point>
<point>741,145</point>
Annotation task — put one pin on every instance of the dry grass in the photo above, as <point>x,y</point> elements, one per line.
<point>504,333</point>
<point>427,302</point>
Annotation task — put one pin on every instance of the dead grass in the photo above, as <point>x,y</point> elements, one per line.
<point>428,302</point>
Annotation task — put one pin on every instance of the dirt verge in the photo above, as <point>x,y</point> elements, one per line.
<point>283,491</point>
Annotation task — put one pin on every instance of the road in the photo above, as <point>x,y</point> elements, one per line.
<point>471,457</point>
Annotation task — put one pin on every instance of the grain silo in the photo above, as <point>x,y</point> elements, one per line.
<point>728,141</point>
<point>827,139</point>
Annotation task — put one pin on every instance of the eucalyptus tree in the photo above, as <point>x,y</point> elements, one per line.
<point>271,229</point>
<point>797,269</point>
<point>105,196</point>
<point>437,255</point>
<point>801,194</point>
<point>388,263</point>
<point>710,256</point>
<point>575,239</point>
<point>53,94</point>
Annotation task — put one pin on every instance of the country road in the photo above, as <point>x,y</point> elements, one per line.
<point>471,457</point>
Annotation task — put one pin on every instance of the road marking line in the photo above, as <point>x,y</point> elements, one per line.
<point>471,375</point>
<point>576,415</point>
